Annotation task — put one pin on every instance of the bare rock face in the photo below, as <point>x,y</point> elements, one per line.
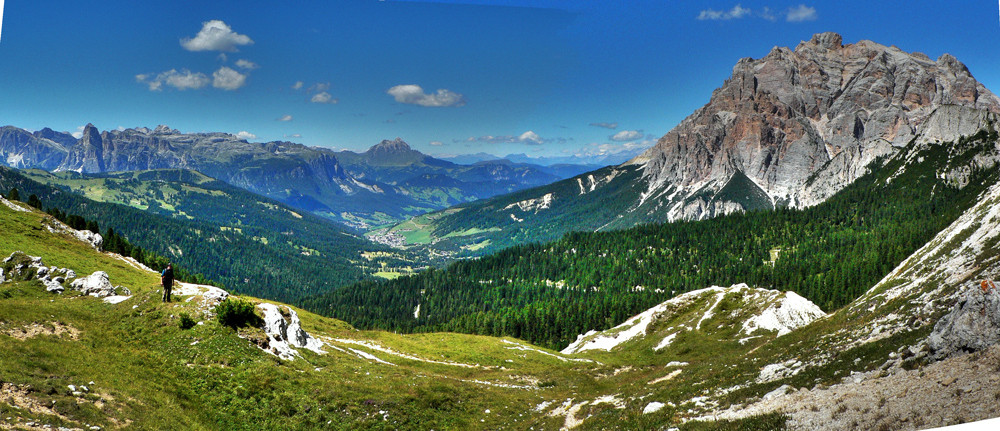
<point>801,124</point>
<point>973,325</point>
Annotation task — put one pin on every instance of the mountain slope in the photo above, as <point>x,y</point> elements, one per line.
<point>715,357</point>
<point>829,253</point>
<point>125,362</point>
<point>231,236</point>
<point>798,124</point>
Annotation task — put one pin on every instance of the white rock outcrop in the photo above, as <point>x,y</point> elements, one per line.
<point>790,312</point>
<point>284,336</point>
<point>768,309</point>
<point>97,284</point>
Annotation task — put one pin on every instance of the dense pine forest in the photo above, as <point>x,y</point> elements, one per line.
<point>309,257</point>
<point>549,293</point>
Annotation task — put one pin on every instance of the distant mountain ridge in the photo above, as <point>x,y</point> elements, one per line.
<point>356,188</point>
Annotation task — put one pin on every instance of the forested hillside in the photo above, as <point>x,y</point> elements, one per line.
<point>248,243</point>
<point>830,254</point>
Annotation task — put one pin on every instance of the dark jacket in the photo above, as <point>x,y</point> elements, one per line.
<point>167,277</point>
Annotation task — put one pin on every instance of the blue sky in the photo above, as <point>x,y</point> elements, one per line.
<point>547,77</point>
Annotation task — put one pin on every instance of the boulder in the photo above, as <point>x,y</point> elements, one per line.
<point>972,325</point>
<point>284,336</point>
<point>97,284</point>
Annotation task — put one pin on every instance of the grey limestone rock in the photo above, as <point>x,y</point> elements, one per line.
<point>972,325</point>
<point>804,123</point>
<point>97,284</point>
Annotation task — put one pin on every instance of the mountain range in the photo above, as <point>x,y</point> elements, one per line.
<point>385,183</point>
<point>815,248</point>
<point>786,130</point>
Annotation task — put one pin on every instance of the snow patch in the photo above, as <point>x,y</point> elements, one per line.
<point>653,407</point>
<point>116,299</point>
<point>666,341</point>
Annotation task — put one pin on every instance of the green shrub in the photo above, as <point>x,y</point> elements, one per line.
<point>237,313</point>
<point>186,321</point>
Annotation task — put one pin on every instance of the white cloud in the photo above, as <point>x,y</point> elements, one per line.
<point>243,134</point>
<point>796,14</point>
<point>297,85</point>
<point>216,35</point>
<point>246,64</point>
<point>285,117</point>
<point>183,80</point>
<point>319,86</point>
<point>736,12</point>
<point>323,97</point>
<point>605,125</point>
<point>801,13</point>
<point>437,143</point>
<point>79,132</point>
<point>414,95</point>
<point>767,14</point>
<point>294,135</point>
<point>627,135</point>
<point>530,138</point>
<point>228,79</point>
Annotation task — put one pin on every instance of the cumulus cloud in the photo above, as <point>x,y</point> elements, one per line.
<point>216,35</point>
<point>801,13</point>
<point>531,138</point>
<point>183,80</point>
<point>297,85</point>
<point>437,143</point>
<point>79,132</point>
<point>246,64</point>
<point>605,125</point>
<point>243,134</point>
<point>228,79</point>
<point>627,136</point>
<point>323,97</point>
<point>294,135</point>
<point>736,12</point>
<point>414,95</point>
<point>285,117</point>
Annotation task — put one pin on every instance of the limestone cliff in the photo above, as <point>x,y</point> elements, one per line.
<point>801,124</point>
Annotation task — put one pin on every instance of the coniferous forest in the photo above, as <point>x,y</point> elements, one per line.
<point>235,258</point>
<point>550,293</point>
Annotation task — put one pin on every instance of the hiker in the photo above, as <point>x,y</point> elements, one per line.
<point>167,278</point>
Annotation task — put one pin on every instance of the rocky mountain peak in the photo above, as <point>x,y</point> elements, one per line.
<point>395,145</point>
<point>824,110</point>
<point>827,40</point>
<point>165,130</point>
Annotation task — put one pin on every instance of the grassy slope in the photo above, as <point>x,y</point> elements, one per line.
<point>150,374</point>
<point>210,222</point>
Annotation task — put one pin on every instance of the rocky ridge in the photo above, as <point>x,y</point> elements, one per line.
<point>803,123</point>
<point>944,290</point>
